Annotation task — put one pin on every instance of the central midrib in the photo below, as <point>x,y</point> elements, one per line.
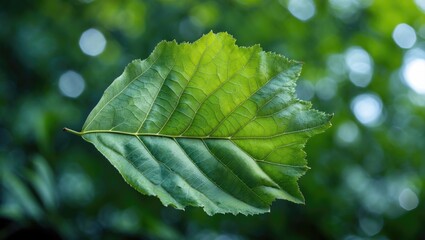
<point>151,134</point>
<point>193,137</point>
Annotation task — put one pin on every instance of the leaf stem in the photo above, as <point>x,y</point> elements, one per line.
<point>65,129</point>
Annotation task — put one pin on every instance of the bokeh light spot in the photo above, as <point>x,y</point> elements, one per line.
<point>326,88</point>
<point>336,65</point>
<point>404,36</point>
<point>367,108</point>
<point>92,42</point>
<point>347,132</point>
<point>371,226</point>
<point>302,9</point>
<point>356,179</point>
<point>414,75</point>
<point>408,200</point>
<point>71,84</point>
<point>348,10</point>
<point>360,66</point>
<point>421,4</point>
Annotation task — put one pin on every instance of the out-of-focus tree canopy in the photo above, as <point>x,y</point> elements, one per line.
<point>364,61</point>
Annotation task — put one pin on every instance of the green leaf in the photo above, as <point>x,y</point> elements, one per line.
<point>207,124</point>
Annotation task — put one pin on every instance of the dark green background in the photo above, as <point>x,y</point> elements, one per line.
<point>56,185</point>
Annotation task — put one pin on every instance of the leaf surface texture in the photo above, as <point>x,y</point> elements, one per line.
<point>208,124</point>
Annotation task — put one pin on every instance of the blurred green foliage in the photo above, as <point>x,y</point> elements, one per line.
<point>367,177</point>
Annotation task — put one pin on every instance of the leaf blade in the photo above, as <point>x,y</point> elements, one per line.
<point>208,124</point>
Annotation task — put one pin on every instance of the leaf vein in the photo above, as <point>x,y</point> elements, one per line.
<point>241,104</point>
<point>169,169</point>
<point>205,175</point>
<point>137,169</point>
<point>110,100</point>
<point>187,83</point>
<point>154,99</point>
<point>216,89</point>
<point>233,173</point>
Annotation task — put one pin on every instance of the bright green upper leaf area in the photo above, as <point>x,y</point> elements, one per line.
<point>208,124</point>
